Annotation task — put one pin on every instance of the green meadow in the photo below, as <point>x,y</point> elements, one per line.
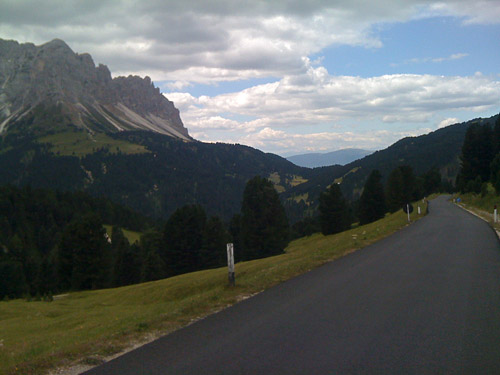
<point>85,327</point>
<point>130,235</point>
<point>82,143</point>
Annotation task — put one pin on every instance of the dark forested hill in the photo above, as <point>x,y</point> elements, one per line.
<point>165,175</point>
<point>439,149</point>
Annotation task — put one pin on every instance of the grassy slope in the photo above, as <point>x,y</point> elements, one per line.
<point>82,143</point>
<point>483,205</point>
<point>130,235</point>
<point>86,325</point>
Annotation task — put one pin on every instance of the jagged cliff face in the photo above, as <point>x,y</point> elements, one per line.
<point>52,84</point>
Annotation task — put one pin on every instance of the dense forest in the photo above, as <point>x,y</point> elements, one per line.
<point>173,173</point>
<point>33,225</point>
<point>480,158</point>
<point>53,242</point>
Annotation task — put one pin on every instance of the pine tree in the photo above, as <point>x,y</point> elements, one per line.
<point>215,239</point>
<point>84,254</point>
<point>372,204</point>
<point>395,190</point>
<point>120,248</point>
<point>153,266</point>
<point>12,281</point>
<point>477,155</point>
<point>264,225</point>
<point>401,188</point>
<point>183,237</point>
<point>334,211</point>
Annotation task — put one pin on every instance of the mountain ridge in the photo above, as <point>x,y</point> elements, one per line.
<point>49,87</point>
<point>340,157</point>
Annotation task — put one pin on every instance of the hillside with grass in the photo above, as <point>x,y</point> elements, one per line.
<point>86,327</point>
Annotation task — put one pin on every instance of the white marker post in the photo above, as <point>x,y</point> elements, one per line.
<point>230,263</point>
<point>495,217</point>
<point>408,211</point>
<point>418,209</point>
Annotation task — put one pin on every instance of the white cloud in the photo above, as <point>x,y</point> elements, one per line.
<point>289,143</point>
<point>448,121</point>
<point>198,41</point>
<point>225,40</point>
<point>270,116</point>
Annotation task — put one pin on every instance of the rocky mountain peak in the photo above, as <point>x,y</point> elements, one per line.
<point>53,76</point>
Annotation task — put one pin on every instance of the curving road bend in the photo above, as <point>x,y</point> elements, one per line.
<point>424,301</point>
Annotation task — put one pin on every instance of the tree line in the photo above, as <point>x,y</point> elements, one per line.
<point>336,214</point>
<point>480,158</point>
<point>53,242</point>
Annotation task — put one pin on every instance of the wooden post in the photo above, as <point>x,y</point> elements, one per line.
<point>230,263</point>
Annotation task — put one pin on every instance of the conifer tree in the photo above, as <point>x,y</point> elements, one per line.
<point>120,248</point>
<point>395,190</point>
<point>215,239</point>
<point>372,204</point>
<point>183,237</point>
<point>84,254</point>
<point>477,155</point>
<point>153,264</point>
<point>334,211</point>
<point>264,225</point>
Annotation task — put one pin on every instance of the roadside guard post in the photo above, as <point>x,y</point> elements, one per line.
<point>408,209</point>
<point>495,217</point>
<point>230,263</point>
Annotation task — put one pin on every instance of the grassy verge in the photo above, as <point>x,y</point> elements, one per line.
<point>87,326</point>
<point>482,205</point>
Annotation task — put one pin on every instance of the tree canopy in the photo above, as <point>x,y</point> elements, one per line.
<point>264,227</point>
<point>372,205</point>
<point>333,211</point>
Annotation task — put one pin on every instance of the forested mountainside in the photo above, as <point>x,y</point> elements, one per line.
<point>159,175</point>
<point>439,149</point>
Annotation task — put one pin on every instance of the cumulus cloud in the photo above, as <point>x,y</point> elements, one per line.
<point>270,115</point>
<point>187,42</point>
<point>224,40</point>
<point>447,122</point>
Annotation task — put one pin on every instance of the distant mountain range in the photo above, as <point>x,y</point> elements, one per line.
<point>340,157</point>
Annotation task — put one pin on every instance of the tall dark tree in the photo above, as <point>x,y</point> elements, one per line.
<point>183,237</point>
<point>496,136</point>
<point>395,196</point>
<point>12,281</point>
<point>495,173</point>
<point>477,155</point>
<point>334,211</point>
<point>431,181</point>
<point>84,254</point>
<point>122,260</point>
<point>235,232</point>
<point>264,225</point>
<point>372,204</point>
<point>153,263</point>
<point>409,184</point>
<point>215,238</point>
<point>402,188</point>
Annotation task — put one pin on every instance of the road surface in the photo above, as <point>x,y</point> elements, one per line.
<point>424,301</point>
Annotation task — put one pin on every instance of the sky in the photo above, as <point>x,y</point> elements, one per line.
<point>290,76</point>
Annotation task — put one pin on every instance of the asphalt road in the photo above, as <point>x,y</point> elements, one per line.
<point>424,301</point>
